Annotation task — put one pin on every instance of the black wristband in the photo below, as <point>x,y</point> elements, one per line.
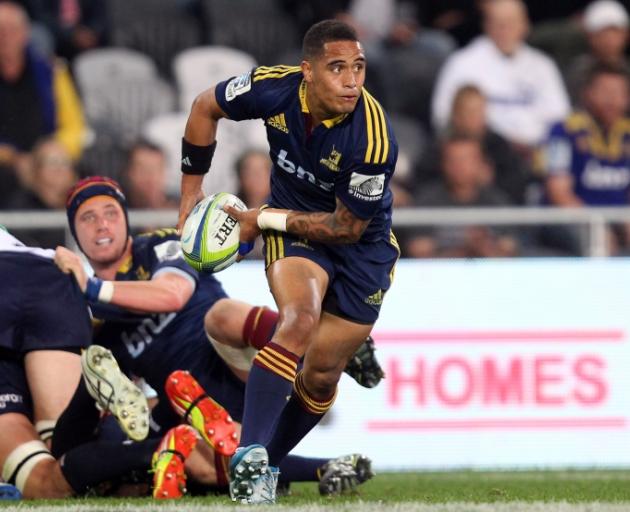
<point>196,159</point>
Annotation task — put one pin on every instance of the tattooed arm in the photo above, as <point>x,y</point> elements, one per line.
<point>340,226</point>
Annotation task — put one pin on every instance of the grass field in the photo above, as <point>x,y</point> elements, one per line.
<point>532,491</point>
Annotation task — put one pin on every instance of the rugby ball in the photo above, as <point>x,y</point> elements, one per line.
<point>210,236</point>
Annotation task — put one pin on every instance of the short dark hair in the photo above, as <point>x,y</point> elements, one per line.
<point>602,68</point>
<point>324,32</point>
<point>143,143</point>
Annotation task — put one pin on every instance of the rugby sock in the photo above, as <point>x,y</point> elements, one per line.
<point>268,388</point>
<point>260,325</point>
<point>300,469</point>
<point>77,423</point>
<point>100,461</point>
<point>301,413</point>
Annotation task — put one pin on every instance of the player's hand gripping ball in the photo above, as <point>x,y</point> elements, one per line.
<point>210,237</point>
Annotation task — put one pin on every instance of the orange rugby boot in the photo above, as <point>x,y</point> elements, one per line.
<point>208,417</point>
<point>169,477</point>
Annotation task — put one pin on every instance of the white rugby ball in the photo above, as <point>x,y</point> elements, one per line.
<point>210,236</point>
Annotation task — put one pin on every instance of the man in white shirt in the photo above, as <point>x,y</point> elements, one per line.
<point>523,86</point>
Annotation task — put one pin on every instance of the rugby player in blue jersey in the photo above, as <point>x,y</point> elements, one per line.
<point>151,308</point>
<point>330,251</point>
<point>44,322</point>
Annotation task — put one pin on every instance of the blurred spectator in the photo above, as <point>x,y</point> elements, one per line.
<point>37,97</point>
<point>253,169</point>
<point>53,175</point>
<point>144,177</point>
<point>523,87</point>
<point>507,170</point>
<point>460,18</point>
<point>605,23</point>
<point>393,38</point>
<point>463,185</point>
<point>76,25</point>
<point>586,156</point>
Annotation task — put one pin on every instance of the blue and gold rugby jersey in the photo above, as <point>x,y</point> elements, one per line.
<point>350,157</point>
<point>598,162</point>
<point>149,345</point>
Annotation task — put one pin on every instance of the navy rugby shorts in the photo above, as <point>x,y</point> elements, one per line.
<point>40,307</point>
<point>14,393</point>
<point>359,274</point>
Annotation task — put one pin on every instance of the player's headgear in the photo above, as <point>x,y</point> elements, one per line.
<point>91,187</point>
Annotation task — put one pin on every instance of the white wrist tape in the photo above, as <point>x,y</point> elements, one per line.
<point>106,292</point>
<point>271,220</point>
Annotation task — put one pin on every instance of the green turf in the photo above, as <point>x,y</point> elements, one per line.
<point>467,486</point>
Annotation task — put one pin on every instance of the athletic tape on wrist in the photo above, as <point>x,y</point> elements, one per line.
<point>98,290</point>
<point>272,220</point>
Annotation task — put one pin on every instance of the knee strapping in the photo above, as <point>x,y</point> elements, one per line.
<point>21,461</point>
<point>45,429</point>
<point>239,358</point>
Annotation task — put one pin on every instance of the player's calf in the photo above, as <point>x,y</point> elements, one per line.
<point>34,472</point>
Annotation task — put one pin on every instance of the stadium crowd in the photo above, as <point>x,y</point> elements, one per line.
<point>494,103</point>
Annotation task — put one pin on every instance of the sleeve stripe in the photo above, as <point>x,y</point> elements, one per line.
<point>261,74</point>
<point>368,122</point>
<point>376,131</point>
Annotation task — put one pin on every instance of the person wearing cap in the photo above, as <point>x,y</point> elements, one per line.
<point>605,24</point>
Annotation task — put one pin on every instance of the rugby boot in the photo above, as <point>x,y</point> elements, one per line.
<point>9,492</point>
<point>344,474</point>
<point>248,465</point>
<point>169,459</point>
<point>115,392</point>
<point>364,367</point>
<point>212,421</point>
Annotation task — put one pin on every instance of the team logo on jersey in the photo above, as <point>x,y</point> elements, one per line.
<point>169,250</point>
<point>284,163</point>
<point>366,187</point>
<point>237,86</point>
<point>10,398</point>
<point>332,162</point>
<point>278,122</point>
<point>303,243</point>
<point>376,299</point>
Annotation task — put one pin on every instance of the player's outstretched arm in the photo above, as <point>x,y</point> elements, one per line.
<point>198,147</point>
<point>340,226</point>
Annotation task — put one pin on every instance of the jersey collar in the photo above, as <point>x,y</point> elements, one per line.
<point>328,123</point>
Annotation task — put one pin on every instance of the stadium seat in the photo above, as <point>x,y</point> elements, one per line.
<point>158,28</point>
<point>94,67</point>
<point>260,29</point>
<point>125,105</point>
<point>198,68</point>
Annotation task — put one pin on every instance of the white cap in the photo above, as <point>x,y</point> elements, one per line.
<point>603,14</point>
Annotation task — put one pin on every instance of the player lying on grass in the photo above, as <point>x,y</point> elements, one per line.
<point>152,305</point>
<point>44,322</point>
<point>178,453</point>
